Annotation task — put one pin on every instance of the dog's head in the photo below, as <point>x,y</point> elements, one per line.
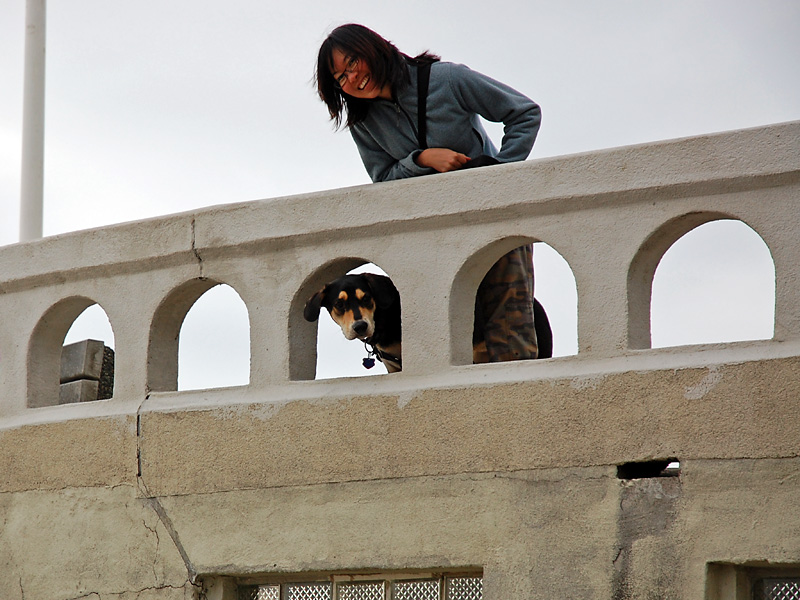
<point>352,301</point>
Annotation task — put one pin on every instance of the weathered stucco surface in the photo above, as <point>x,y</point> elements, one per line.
<point>499,428</point>
<point>79,541</point>
<point>506,469</point>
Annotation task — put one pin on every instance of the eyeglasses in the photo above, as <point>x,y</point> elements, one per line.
<point>351,66</point>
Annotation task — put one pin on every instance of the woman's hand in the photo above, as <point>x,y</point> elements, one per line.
<point>441,159</point>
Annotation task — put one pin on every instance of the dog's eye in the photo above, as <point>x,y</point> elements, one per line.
<point>338,306</point>
<point>366,300</point>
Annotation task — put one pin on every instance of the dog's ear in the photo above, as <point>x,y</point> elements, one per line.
<point>311,311</point>
<point>383,289</point>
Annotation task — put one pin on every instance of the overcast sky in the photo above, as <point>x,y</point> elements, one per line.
<point>156,107</point>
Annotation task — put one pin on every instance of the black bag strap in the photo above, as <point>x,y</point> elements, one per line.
<point>423,77</point>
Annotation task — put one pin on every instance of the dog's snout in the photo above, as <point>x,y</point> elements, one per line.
<point>360,327</point>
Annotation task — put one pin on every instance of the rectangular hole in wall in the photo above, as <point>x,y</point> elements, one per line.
<point>667,467</point>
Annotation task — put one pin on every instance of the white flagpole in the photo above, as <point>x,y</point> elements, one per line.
<point>32,181</point>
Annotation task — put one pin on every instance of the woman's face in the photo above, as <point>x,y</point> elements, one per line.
<point>354,78</point>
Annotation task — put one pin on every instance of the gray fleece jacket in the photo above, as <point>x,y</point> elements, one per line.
<point>387,137</point>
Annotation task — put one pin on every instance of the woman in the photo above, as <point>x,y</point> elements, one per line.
<point>371,87</point>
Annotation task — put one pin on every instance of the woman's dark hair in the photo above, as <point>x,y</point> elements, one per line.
<point>387,65</point>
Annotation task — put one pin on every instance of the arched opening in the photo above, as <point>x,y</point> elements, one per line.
<point>215,346</point>
<point>716,283</point>
<point>336,355</point>
<point>70,355</point>
<point>92,323</point>
<point>554,289</point>
<point>88,358</point>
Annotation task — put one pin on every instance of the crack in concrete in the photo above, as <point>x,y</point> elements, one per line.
<point>156,506</point>
<point>138,593</point>
<point>511,475</point>
<point>173,533</point>
<point>195,251</point>
<point>154,531</point>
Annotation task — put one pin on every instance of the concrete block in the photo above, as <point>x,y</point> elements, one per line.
<point>88,360</point>
<point>82,360</point>
<point>82,390</point>
<point>106,389</point>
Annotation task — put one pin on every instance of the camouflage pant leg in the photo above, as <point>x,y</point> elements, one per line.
<point>504,309</point>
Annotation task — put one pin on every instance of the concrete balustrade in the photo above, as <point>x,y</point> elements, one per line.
<point>611,215</point>
<point>276,446</point>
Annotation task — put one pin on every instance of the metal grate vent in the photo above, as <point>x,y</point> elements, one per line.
<point>371,590</point>
<point>465,588</point>
<point>427,589</point>
<point>309,591</point>
<point>260,592</point>
<point>397,587</point>
<point>777,589</point>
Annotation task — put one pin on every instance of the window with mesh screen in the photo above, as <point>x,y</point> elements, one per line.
<point>772,588</point>
<point>439,587</point>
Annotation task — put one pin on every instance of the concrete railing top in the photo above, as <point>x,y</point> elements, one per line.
<point>610,214</point>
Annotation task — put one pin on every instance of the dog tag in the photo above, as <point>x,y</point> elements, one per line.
<point>369,362</point>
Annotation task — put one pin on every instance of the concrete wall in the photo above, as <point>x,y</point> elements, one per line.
<point>510,469</point>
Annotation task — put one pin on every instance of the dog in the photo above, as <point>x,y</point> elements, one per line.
<point>367,308</point>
